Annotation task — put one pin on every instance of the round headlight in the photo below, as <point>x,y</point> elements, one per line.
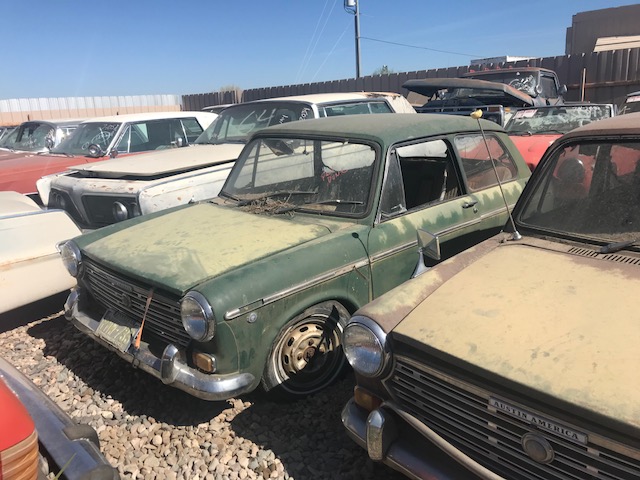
<point>197,317</point>
<point>120,211</point>
<point>71,257</point>
<point>365,346</point>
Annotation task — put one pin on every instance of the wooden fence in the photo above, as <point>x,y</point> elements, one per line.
<point>599,77</point>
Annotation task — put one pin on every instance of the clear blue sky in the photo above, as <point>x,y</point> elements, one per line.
<point>132,47</point>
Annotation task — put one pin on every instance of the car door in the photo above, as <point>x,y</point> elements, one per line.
<point>423,189</point>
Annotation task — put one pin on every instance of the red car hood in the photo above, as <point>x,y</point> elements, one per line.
<point>20,171</point>
<point>532,147</point>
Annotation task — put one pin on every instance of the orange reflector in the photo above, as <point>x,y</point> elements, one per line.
<point>366,399</point>
<point>21,460</point>
<point>204,361</point>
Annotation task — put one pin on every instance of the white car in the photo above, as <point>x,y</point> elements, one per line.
<point>103,193</point>
<point>30,264</point>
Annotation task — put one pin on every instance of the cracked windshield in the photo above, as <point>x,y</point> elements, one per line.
<point>559,119</point>
<point>590,190</point>
<point>235,125</point>
<point>285,175</point>
<point>95,133</point>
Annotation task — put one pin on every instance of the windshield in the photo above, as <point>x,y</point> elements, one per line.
<point>525,82</point>
<point>236,123</point>
<point>9,138</point>
<point>98,133</point>
<point>588,190</point>
<point>559,119</point>
<point>631,105</point>
<point>320,176</point>
<point>30,137</point>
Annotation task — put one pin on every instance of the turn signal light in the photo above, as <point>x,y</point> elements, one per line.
<point>204,361</point>
<point>21,460</point>
<point>366,399</point>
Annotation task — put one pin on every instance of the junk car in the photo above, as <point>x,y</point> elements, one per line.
<point>316,219</point>
<point>517,358</point>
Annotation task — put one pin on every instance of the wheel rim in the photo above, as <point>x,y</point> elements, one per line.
<point>308,356</point>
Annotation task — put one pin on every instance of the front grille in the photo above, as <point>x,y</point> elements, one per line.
<point>461,414</point>
<point>99,208</point>
<point>129,298</point>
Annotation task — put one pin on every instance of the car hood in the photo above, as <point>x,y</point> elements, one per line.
<point>163,161</point>
<point>532,147</point>
<point>184,247</point>
<point>505,94</point>
<point>556,324</point>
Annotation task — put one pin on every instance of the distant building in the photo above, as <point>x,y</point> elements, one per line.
<point>606,29</point>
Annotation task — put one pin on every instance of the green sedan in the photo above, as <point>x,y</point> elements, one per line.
<point>315,220</point>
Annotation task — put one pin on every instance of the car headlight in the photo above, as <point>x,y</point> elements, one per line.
<point>197,317</point>
<point>71,257</point>
<point>365,346</point>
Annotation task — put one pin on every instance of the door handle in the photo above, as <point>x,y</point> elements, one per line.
<point>470,204</point>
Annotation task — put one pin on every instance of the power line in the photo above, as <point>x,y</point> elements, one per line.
<point>421,48</point>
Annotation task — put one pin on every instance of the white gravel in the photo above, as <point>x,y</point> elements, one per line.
<point>149,430</point>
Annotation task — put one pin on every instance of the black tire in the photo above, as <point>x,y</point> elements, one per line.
<point>307,355</point>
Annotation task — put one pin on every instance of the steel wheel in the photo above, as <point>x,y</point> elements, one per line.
<point>307,355</point>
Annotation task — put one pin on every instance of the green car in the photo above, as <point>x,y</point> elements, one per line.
<point>315,220</point>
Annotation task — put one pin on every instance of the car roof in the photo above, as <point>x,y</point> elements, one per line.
<point>331,97</point>
<point>135,117</point>
<point>384,128</point>
<point>63,122</point>
<point>505,70</point>
<point>628,124</point>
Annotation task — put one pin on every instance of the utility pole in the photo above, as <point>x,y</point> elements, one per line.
<point>351,6</point>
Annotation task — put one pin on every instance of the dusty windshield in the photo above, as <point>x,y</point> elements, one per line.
<point>30,137</point>
<point>525,82</point>
<point>589,191</point>
<point>236,123</point>
<point>552,120</point>
<point>93,133</point>
<point>631,105</point>
<point>287,174</point>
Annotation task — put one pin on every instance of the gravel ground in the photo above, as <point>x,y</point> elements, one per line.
<point>148,430</point>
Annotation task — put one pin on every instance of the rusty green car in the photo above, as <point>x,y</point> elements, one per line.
<point>316,219</point>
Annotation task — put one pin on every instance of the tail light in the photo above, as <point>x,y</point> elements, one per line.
<point>20,462</point>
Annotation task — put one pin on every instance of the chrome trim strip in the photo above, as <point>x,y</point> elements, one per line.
<point>236,312</point>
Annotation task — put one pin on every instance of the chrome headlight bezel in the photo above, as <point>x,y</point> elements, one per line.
<point>71,257</point>
<point>365,346</point>
<point>197,316</point>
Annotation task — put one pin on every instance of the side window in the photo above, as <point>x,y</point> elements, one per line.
<point>419,175</point>
<point>192,128</point>
<point>477,162</point>
<point>549,88</point>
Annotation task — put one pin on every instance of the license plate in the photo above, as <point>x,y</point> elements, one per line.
<point>118,330</point>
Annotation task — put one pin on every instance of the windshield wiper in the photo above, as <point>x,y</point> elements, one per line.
<point>242,203</point>
<point>616,246</point>
<point>336,201</point>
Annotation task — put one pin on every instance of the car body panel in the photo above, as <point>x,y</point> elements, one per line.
<point>28,239</point>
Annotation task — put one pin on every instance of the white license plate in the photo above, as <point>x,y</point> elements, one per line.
<point>118,330</point>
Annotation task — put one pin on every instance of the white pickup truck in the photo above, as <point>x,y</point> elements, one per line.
<point>103,193</point>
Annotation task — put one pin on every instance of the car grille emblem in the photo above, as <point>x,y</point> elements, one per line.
<point>125,300</point>
<point>537,448</point>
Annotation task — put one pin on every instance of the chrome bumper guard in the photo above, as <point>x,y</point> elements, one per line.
<point>171,368</point>
<point>400,441</point>
<point>59,436</point>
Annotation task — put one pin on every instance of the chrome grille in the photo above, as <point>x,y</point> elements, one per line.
<point>461,414</point>
<point>130,298</point>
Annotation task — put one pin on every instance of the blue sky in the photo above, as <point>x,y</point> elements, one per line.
<point>134,47</point>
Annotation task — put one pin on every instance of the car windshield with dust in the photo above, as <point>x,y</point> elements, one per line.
<point>288,174</point>
<point>93,133</point>
<point>588,191</point>
<point>556,119</point>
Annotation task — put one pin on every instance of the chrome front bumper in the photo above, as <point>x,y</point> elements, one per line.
<point>391,437</point>
<point>171,367</point>
<point>63,440</point>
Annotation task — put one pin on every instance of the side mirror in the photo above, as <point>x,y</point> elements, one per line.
<point>48,142</point>
<point>95,150</point>
<point>113,153</point>
<point>562,90</point>
<point>179,142</point>
<point>429,245</point>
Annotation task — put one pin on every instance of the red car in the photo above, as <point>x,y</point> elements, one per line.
<point>38,438</point>
<point>102,137</point>
<point>534,129</point>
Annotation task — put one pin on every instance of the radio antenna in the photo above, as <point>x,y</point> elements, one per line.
<point>515,235</point>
